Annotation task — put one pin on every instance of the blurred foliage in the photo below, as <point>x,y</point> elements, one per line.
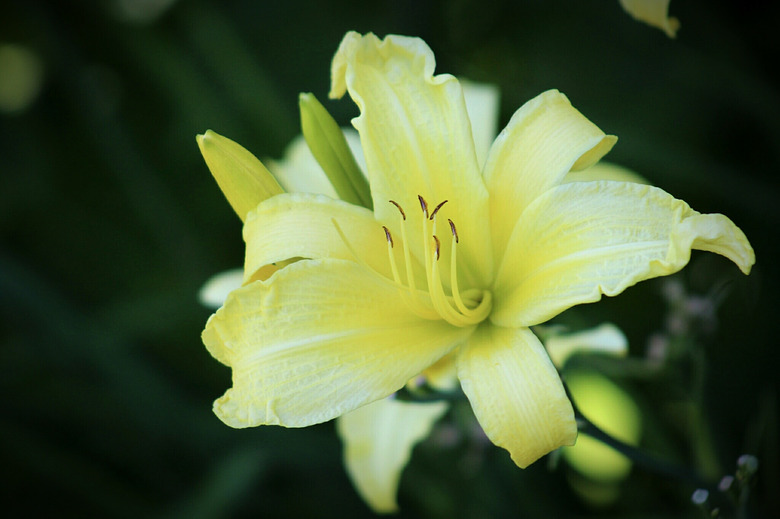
<point>110,222</point>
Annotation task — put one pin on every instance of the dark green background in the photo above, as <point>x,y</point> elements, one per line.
<point>110,222</point>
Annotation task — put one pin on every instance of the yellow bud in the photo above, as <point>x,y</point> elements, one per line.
<point>611,409</point>
<point>240,175</point>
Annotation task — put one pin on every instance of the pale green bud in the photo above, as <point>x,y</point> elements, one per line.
<point>328,145</point>
<point>240,175</point>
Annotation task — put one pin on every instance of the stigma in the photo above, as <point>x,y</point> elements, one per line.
<point>459,308</point>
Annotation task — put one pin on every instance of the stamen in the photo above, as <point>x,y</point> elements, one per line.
<point>454,271</point>
<point>409,291</point>
<point>435,288</point>
<point>441,301</point>
<point>454,230</point>
<point>460,314</point>
<point>400,209</point>
<point>466,309</point>
<point>423,205</point>
<point>484,306</point>
<point>344,239</point>
<point>407,254</point>
<point>437,209</point>
<point>388,236</point>
<point>393,265</point>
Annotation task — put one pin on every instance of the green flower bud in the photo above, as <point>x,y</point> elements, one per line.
<point>240,175</point>
<point>328,145</point>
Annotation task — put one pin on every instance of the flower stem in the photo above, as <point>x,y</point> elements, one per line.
<point>641,458</point>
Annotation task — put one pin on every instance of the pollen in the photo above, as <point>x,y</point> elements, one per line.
<point>454,230</point>
<point>400,209</point>
<point>423,205</point>
<point>433,214</point>
<point>389,236</point>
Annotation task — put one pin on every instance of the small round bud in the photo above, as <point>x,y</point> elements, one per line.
<point>748,463</point>
<point>725,483</point>
<point>700,496</point>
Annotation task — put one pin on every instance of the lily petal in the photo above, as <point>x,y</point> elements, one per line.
<point>443,375</point>
<point>482,104</point>
<point>605,338</point>
<point>321,338</point>
<point>417,140</point>
<point>545,139</point>
<point>604,171</point>
<point>378,441</point>
<point>584,239</point>
<point>214,292</point>
<point>516,394</point>
<point>298,171</point>
<point>654,13</point>
<point>301,225</point>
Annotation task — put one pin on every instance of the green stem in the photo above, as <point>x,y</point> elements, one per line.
<point>643,459</point>
<point>648,461</point>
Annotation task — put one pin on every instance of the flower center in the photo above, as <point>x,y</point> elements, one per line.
<point>457,308</point>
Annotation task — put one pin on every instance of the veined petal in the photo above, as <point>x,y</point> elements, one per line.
<point>482,104</point>
<point>417,140</point>
<point>584,239</point>
<point>319,339</point>
<point>298,171</point>
<point>216,289</point>
<point>378,441</point>
<point>605,338</point>
<point>545,139</point>
<point>516,394</point>
<point>301,225</point>
<point>443,375</point>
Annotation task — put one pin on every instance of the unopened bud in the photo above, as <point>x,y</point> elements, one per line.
<point>329,147</point>
<point>242,178</point>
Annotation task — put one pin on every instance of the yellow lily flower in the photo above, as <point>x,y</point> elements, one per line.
<point>379,437</point>
<point>454,258</point>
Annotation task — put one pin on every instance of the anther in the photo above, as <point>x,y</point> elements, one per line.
<point>403,215</point>
<point>423,205</point>
<point>438,246</point>
<point>437,209</point>
<point>454,230</point>
<point>388,235</point>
